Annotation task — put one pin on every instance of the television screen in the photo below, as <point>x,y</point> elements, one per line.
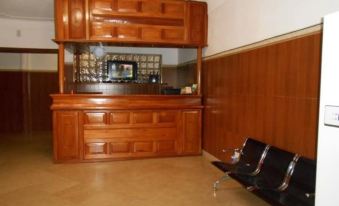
<point>122,70</point>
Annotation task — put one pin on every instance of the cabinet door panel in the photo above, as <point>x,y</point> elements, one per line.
<point>173,9</point>
<point>198,23</point>
<point>129,6</point>
<point>101,5</point>
<point>192,131</point>
<point>76,18</point>
<point>173,34</point>
<point>151,7</point>
<point>66,140</point>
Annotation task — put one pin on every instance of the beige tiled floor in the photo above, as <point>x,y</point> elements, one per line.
<point>29,177</point>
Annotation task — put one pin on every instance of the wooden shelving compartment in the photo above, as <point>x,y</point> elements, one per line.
<point>162,22</point>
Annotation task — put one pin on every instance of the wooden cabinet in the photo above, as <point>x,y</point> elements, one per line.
<point>191,131</point>
<point>70,19</point>
<point>132,134</point>
<point>132,21</point>
<point>126,127</point>
<point>66,136</point>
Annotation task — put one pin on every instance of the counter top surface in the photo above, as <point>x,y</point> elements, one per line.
<point>94,95</point>
<point>101,101</point>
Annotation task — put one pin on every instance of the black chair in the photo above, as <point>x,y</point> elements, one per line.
<point>301,187</point>
<point>248,160</point>
<point>274,174</point>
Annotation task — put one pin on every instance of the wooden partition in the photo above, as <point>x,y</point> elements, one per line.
<point>25,101</point>
<point>269,93</point>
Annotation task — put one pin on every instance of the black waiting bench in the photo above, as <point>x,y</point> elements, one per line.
<point>277,176</point>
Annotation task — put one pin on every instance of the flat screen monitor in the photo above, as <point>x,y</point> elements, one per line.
<point>122,70</point>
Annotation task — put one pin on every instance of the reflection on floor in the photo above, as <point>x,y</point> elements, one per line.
<point>29,177</point>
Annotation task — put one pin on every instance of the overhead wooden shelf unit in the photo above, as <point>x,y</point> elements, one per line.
<point>96,127</point>
<point>170,22</point>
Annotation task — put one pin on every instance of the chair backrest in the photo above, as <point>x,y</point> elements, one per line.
<point>275,168</point>
<point>303,177</point>
<point>252,154</point>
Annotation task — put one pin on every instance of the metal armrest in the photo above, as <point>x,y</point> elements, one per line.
<point>237,152</point>
<point>231,149</point>
<point>289,173</point>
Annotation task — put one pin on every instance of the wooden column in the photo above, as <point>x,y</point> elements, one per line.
<point>61,67</point>
<point>199,65</point>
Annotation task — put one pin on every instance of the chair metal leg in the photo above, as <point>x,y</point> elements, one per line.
<point>216,183</point>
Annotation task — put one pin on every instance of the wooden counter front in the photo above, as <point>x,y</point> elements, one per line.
<point>100,127</point>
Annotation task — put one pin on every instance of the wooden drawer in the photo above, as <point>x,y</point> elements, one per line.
<point>119,118</point>
<point>151,33</point>
<point>95,118</point>
<point>128,32</point>
<point>132,133</point>
<point>166,146</point>
<point>96,150</point>
<point>141,147</point>
<point>167,117</point>
<point>156,8</point>
<point>143,117</point>
<point>100,30</point>
<point>120,147</point>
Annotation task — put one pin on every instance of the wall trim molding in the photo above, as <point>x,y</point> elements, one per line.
<point>267,42</point>
<point>28,71</point>
<point>28,50</point>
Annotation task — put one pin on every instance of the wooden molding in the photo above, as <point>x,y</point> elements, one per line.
<point>28,50</point>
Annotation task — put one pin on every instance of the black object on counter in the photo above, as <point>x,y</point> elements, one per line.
<point>170,91</point>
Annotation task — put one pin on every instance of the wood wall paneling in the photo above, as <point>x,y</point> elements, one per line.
<point>269,93</point>
<point>25,101</point>
<point>42,84</point>
<point>12,108</point>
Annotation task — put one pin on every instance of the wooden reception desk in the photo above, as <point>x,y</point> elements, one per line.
<point>96,127</point>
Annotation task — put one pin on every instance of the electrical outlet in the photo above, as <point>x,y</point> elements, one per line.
<point>332,115</point>
<point>18,33</point>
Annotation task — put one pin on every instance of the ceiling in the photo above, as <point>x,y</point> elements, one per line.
<point>27,9</point>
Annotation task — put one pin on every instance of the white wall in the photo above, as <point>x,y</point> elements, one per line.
<point>328,137</point>
<point>28,62</point>
<point>10,61</point>
<point>40,62</point>
<point>186,55</point>
<point>235,23</point>
<point>26,33</point>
